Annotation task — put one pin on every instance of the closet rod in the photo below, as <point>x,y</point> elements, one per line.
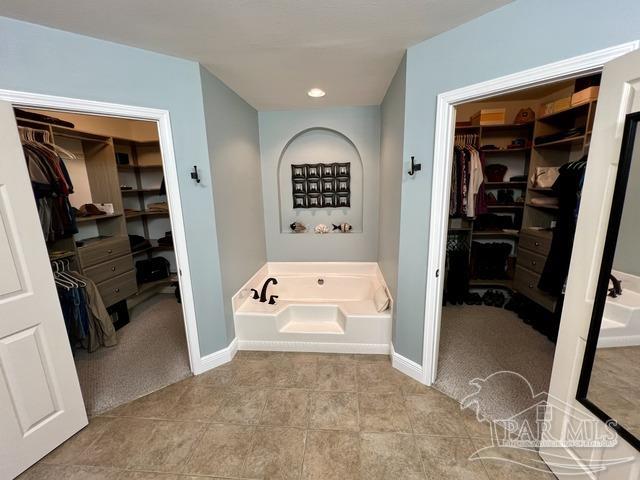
<point>80,137</point>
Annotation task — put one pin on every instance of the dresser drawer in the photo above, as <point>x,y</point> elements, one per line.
<point>118,288</point>
<point>103,250</point>
<point>112,268</point>
<point>531,261</point>
<point>526,282</point>
<point>539,244</point>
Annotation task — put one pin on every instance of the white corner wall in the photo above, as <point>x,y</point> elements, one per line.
<point>327,136</point>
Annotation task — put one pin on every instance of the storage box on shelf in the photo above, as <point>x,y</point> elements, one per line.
<point>489,116</point>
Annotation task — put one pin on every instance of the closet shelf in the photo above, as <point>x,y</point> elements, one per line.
<point>145,214</point>
<point>506,150</point>
<point>566,112</point>
<point>508,126</point>
<point>140,190</point>
<point>491,282</point>
<point>542,189</point>
<point>544,207</point>
<point>495,234</point>
<point>564,142</point>
<point>139,167</point>
<point>505,207</point>
<point>505,184</point>
<point>95,218</point>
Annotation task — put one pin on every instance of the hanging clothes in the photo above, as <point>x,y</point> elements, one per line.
<point>568,188</point>
<point>87,321</point>
<point>467,178</point>
<point>51,184</point>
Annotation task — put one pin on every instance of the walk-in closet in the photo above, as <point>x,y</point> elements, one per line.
<point>99,188</point>
<point>516,176</point>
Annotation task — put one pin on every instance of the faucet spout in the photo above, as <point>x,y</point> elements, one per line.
<point>617,287</point>
<point>263,294</point>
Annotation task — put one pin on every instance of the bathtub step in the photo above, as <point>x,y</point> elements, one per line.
<point>306,326</point>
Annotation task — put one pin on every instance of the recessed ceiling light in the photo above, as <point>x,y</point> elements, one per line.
<point>316,93</point>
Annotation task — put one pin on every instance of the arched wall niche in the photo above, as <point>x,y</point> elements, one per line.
<point>320,145</point>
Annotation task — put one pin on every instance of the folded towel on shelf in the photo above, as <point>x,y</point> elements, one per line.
<point>158,207</point>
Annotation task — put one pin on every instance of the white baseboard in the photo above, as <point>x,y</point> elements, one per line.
<point>218,358</point>
<point>406,366</point>
<point>279,346</point>
<point>620,341</point>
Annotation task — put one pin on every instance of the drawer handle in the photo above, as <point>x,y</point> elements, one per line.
<point>117,290</point>
<point>113,269</point>
<point>109,251</point>
<point>533,262</point>
<point>531,285</point>
<point>537,244</point>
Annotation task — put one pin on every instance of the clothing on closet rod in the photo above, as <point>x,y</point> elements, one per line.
<point>467,178</point>
<point>86,318</point>
<point>51,183</point>
<point>568,188</point>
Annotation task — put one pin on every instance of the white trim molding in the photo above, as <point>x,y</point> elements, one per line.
<point>319,347</point>
<point>161,117</point>
<point>218,358</point>
<point>441,179</point>
<point>406,366</point>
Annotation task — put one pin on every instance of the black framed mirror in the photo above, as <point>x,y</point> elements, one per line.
<point>610,378</point>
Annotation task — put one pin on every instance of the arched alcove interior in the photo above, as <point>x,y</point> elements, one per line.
<point>320,145</point>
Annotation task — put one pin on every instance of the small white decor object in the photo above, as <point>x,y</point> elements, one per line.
<point>322,228</point>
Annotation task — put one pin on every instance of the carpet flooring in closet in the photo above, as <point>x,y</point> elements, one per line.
<point>477,341</point>
<point>151,354</point>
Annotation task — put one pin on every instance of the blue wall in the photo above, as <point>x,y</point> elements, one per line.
<point>43,60</point>
<point>361,126</point>
<point>391,143</point>
<point>519,36</point>
<point>234,156</point>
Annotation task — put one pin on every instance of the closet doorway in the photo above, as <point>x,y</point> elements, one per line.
<point>516,176</point>
<point>101,191</point>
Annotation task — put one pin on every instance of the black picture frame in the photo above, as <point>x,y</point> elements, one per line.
<point>321,186</point>
<point>608,255</point>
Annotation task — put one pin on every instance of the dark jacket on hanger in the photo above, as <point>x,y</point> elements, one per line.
<point>568,188</point>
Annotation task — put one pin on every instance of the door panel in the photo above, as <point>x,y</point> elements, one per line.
<point>40,400</point>
<point>619,95</point>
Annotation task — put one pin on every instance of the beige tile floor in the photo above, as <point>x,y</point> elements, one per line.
<point>270,415</point>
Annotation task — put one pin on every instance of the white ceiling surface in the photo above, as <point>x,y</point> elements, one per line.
<point>269,51</point>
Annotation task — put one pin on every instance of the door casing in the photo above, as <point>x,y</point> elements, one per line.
<point>161,117</point>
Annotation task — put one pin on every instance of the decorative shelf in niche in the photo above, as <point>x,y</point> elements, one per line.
<point>321,185</point>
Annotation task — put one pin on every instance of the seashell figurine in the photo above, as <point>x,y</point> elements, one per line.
<point>298,227</point>
<point>322,228</point>
<point>343,227</point>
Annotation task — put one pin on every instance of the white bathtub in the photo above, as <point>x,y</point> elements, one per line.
<point>621,319</point>
<point>321,307</point>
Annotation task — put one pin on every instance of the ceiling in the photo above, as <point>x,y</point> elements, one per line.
<point>271,52</point>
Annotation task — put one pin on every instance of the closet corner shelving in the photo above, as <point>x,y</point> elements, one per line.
<point>531,241</point>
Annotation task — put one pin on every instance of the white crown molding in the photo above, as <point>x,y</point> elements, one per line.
<point>441,179</point>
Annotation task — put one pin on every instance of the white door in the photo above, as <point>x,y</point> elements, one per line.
<point>40,400</point>
<point>619,95</point>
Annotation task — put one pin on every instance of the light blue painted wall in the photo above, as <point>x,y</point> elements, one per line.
<point>43,60</point>
<point>519,36</point>
<point>234,156</point>
<point>391,143</point>
<point>361,125</point>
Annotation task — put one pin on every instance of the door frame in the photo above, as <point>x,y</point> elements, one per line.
<point>170,168</point>
<point>580,65</point>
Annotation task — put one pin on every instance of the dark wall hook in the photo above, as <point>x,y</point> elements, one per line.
<point>415,167</point>
<point>195,175</point>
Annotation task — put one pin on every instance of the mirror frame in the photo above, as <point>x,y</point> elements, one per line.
<point>617,205</point>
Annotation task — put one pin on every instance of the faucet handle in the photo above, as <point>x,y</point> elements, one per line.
<point>255,295</point>
<point>272,299</point>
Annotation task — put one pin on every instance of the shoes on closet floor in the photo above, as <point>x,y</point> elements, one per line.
<point>473,298</point>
